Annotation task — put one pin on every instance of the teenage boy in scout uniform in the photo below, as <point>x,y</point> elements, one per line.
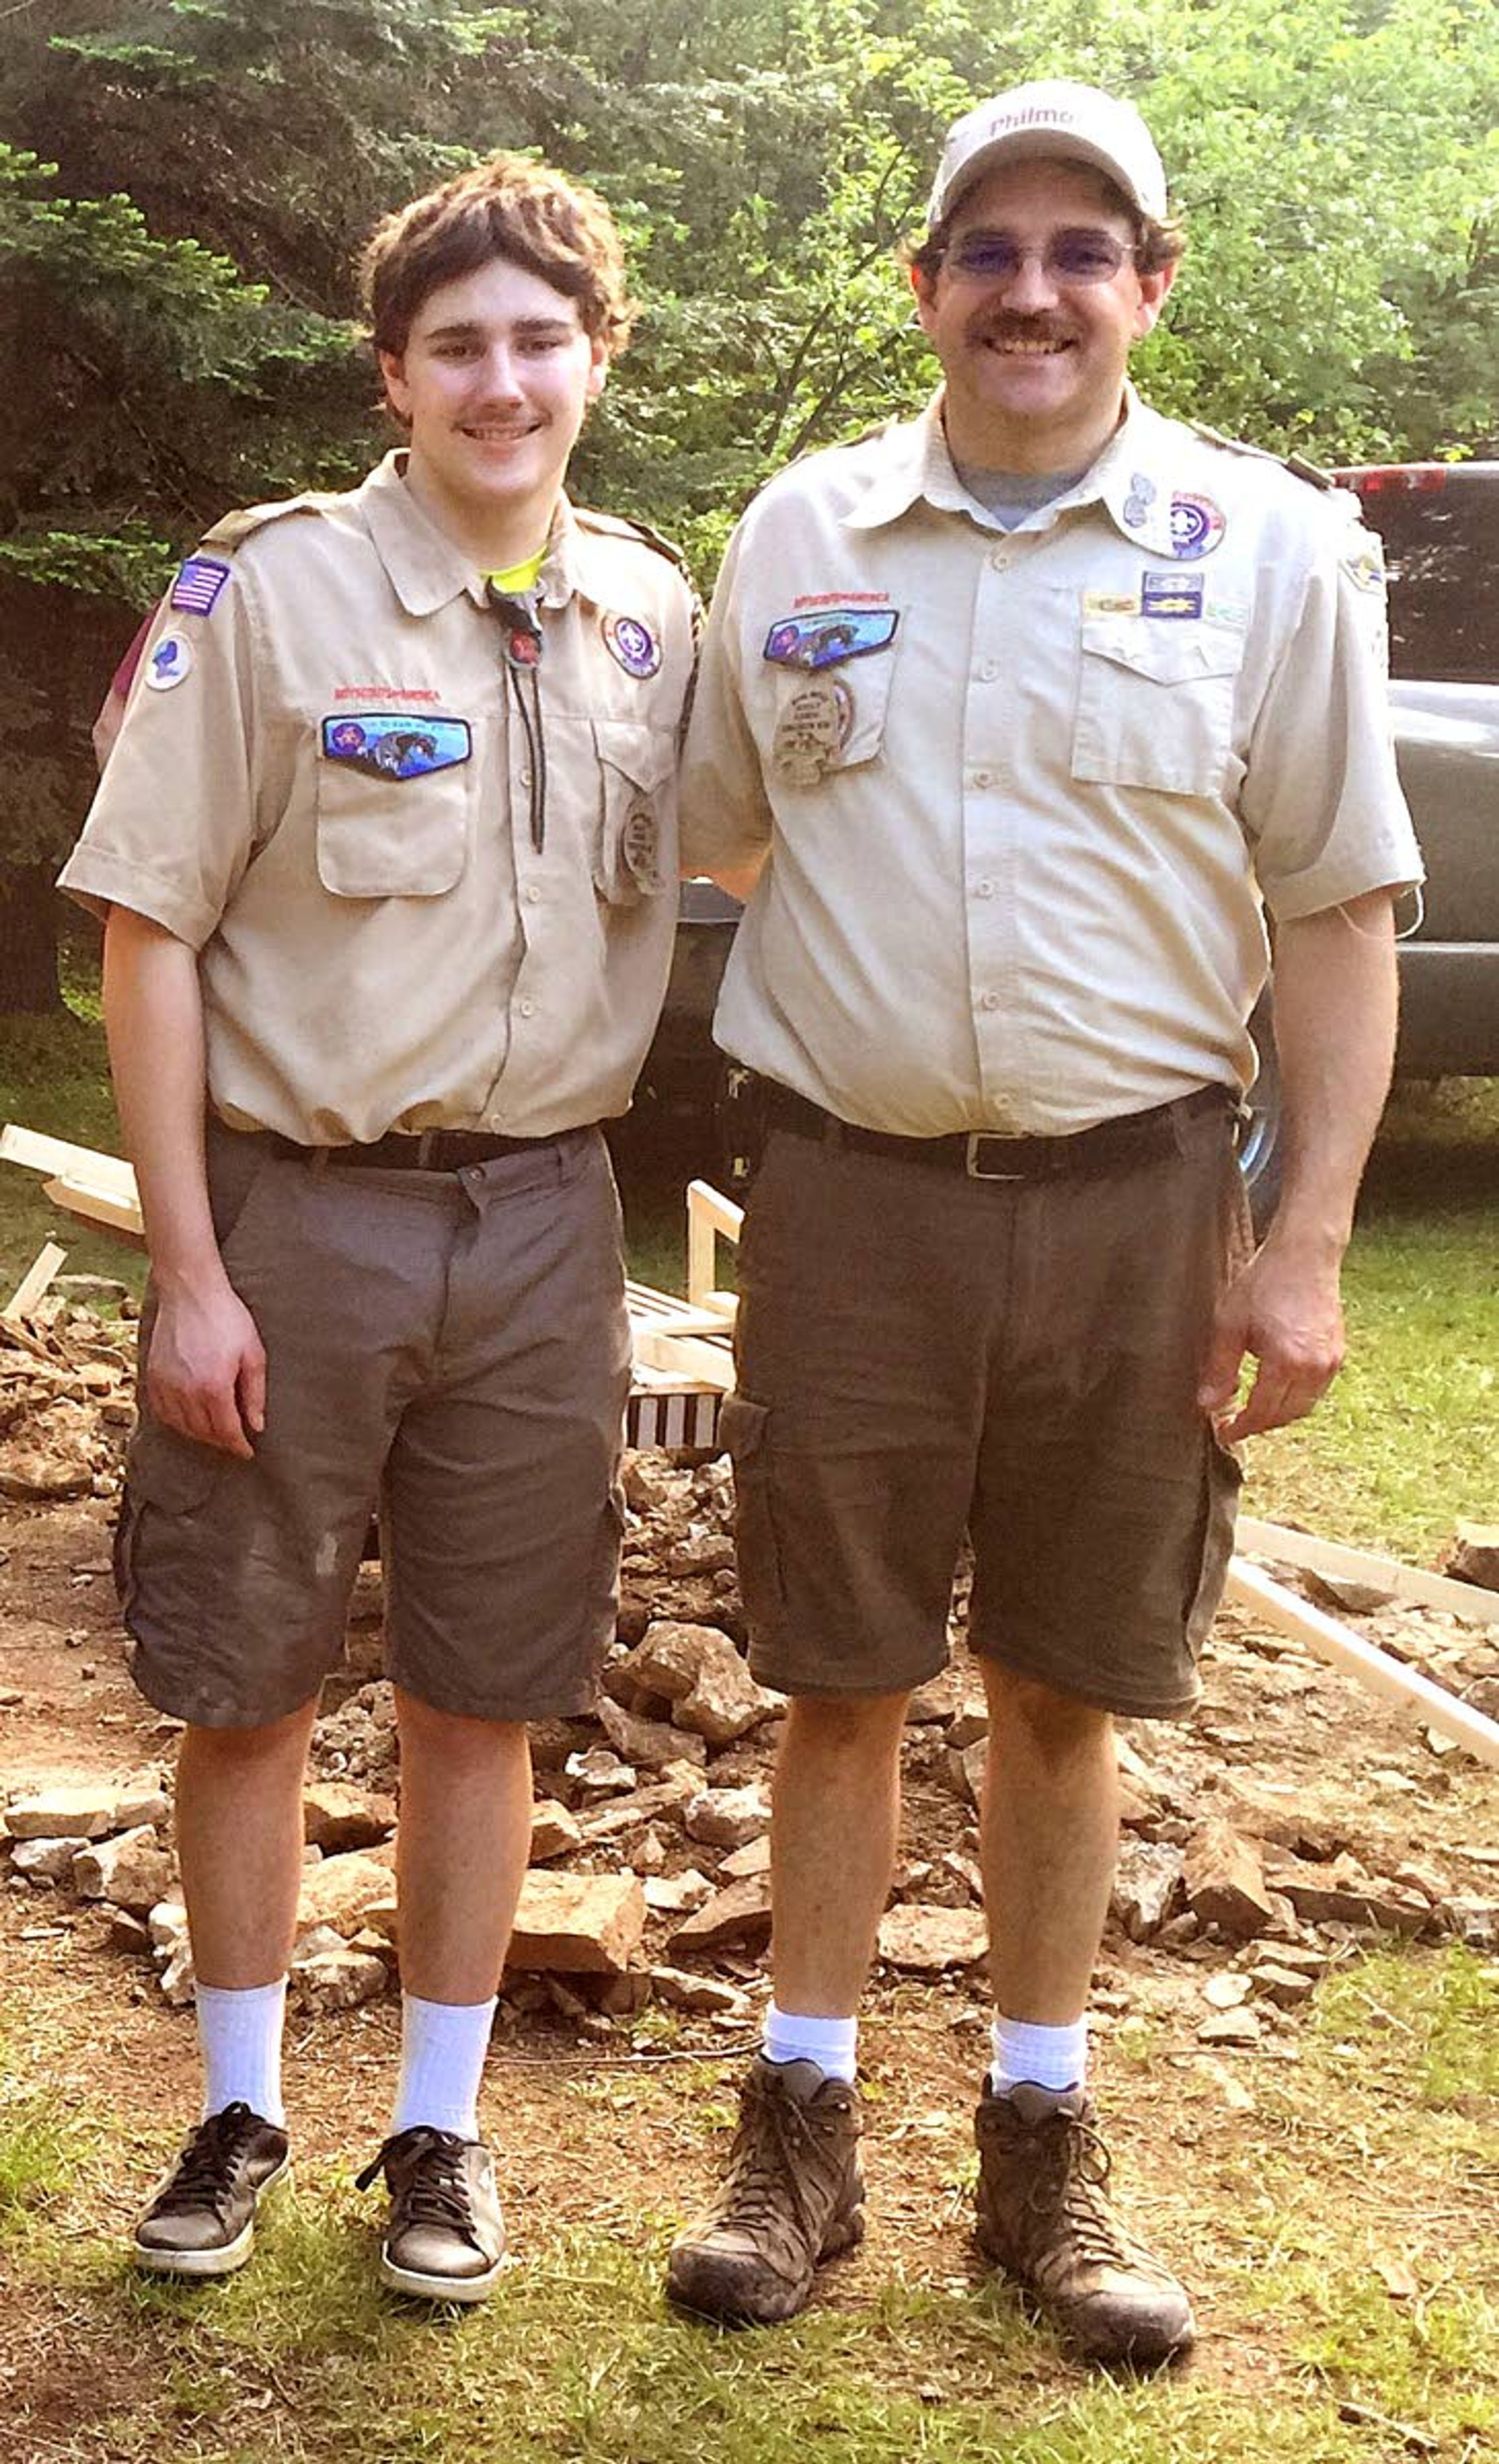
<point>1025,706</point>
<point>386,848</point>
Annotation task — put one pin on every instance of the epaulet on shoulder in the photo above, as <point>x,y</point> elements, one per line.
<point>614,526</point>
<point>235,528</point>
<point>1295,463</point>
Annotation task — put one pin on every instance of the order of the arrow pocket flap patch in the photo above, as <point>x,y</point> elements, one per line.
<point>393,744</point>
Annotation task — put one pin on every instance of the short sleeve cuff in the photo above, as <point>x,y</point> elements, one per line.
<point>99,880</point>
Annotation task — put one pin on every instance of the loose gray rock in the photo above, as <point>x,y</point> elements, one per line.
<point>741,1913</point>
<point>727,1817</point>
<point>927,1941</point>
<point>133,1872</point>
<point>1148,1888</point>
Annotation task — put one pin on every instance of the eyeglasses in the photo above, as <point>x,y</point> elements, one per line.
<point>1081,256</point>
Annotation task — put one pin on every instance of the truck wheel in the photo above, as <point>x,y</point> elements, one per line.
<point>1260,1150</point>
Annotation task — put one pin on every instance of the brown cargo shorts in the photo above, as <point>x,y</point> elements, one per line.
<point>922,1355</point>
<point>450,1347</point>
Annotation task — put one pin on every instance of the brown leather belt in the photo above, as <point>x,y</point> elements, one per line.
<point>983,1156</point>
<point>427,1151</point>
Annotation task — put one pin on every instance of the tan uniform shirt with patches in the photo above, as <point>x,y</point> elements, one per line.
<point>381,951</point>
<point>1021,839</point>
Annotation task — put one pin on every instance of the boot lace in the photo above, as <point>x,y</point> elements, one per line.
<point>1071,2180</point>
<point>777,2162</point>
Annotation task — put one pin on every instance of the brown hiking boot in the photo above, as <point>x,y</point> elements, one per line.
<point>1044,2219</point>
<point>792,2195</point>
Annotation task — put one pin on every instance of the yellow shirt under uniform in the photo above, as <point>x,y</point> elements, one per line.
<point>1026,791</point>
<point>325,786</point>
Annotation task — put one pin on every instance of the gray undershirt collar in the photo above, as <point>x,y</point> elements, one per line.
<point>1011,497</point>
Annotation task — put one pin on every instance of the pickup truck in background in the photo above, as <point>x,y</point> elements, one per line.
<point>1439,524</point>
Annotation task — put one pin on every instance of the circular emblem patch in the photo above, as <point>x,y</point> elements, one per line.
<point>1196,525</point>
<point>638,842</point>
<point>168,663</point>
<point>633,644</point>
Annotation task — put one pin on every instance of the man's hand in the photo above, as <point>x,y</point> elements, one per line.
<point>205,1370</point>
<point>1283,1307</point>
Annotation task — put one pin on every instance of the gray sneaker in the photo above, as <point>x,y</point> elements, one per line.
<point>202,2219</point>
<point>792,2196</point>
<point>1045,2217</point>
<point>445,2237</point>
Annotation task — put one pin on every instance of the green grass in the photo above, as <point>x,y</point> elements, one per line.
<point>1403,1446</point>
<point>1358,2152</point>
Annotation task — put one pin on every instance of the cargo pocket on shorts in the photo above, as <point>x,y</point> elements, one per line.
<point>168,1481</point>
<point>743,1430</point>
<point>1224,1478</point>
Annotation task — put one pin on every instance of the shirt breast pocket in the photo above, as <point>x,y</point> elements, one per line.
<point>395,814</point>
<point>634,849</point>
<point>1156,703</point>
<point>813,723</point>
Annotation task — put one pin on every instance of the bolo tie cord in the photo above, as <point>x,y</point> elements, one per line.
<point>521,653</point>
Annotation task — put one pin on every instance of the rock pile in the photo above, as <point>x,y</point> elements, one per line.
<point>1237,1886</point>
<point>66,1377</point>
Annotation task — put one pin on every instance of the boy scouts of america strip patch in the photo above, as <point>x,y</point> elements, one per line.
<point>633,643</point>
<point>198,585</point>
<point>831,636</point>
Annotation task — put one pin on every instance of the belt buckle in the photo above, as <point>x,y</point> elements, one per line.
<point>974,1166</point>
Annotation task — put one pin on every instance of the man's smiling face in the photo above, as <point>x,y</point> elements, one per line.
<point>495,381</point>
<point>1035,364</point>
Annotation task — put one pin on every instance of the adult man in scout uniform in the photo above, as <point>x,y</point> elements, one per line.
<point>386,848</point>
<point>1024,707</point>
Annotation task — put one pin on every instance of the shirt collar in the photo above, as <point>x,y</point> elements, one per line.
<point>1132,478</point>
<point>428,570</point>
<point>1134,475</point>
<point>915,463</point>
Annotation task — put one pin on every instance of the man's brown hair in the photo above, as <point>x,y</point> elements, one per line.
<point>507,207</point>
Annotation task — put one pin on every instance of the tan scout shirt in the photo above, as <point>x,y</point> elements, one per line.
<point>323,786</point>
<point>1026,791</point>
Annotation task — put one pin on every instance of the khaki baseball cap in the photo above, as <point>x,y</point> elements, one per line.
<point>1053,117</point>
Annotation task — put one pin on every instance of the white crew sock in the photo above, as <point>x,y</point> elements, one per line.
<point>239,2028</point>
<point>443,2045</point>
<point>832,2044</point>
<point>1049,2058</point>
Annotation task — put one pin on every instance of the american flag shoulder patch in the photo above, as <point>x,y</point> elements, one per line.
<point>198,585</point>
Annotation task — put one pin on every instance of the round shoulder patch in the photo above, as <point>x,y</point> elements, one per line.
<point>170,662</point>
<point>633,643</point>
<point>1196,525</point>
